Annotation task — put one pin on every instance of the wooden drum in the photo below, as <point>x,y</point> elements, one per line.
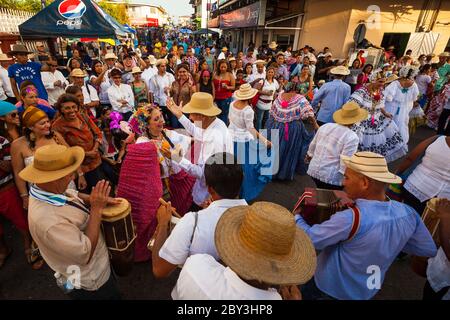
<point>120,236</point>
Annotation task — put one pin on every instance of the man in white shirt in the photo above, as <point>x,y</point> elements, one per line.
<point>160,85</point>
<point>54,82</point>
<point>259,73</point>
<point>331,140</point>
<point>260,249</point>
<point>91,100</point>
<point>223,54</point>
<point>308,54</point>
<point>150,71</point>
<point>5,61</point>
<point>121,95</point>
<point>210,132</point>
<point>194,233</point>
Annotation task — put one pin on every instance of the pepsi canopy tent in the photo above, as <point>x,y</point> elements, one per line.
<point>72,19</point>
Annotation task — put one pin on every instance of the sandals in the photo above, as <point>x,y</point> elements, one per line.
<point>4,257</point>
<point>34,257</point>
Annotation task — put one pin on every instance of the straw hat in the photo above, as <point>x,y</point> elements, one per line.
<point>445,54</point>
<point>280,53</point>
<point>273,45</point>
<point>245,92</point>
<point>19,48</point>
<point>202,103</point>
<point>391,78</point>
<point>6,108</point>
<point>340,70</point>
<point>77,73</point>
<point>261,242</point>
<point>110,56</point>
<point>136,70</point>
<point>4,57</point>
<point>224,49</point>
<point>260,62</point>
<point>152,59</point>
<point>31,116</point>
<point>53,162</point>
<point>161,61</point>
<point>232,59</point>
<point>371,165</point>
<point>350,113</point>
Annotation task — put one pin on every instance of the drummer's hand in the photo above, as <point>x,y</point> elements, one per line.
<point>290,293</point>
<point>113,201</point>
<point>99,195</point>
<point>443,208</point>
<point>164,214</point>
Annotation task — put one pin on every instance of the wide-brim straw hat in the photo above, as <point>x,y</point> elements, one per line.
<point>445,54</point>
<point>391,78</point>
<point>273,45</point>
<point>19,48</point>
<point>161,61</point>
<point>245,92</point>
<point>4,57</point>
<point>202,103</point>
<point>110,56</point>
<point>136,70</point>
<point>53,162</point>
<point>340,70</point>
<point>371,165</point>
<point>350,113</point>
<point>152,59</point>
<point>261,242</point>
<point>260,62</point>
<point>77,73</point>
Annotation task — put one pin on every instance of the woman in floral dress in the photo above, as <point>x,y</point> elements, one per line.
<point>378,133</point>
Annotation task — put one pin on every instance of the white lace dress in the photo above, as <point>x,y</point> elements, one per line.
<point>377,134</point>
<point>400,103</point>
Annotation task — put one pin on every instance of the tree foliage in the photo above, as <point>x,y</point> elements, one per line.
<point>23,5</point>
<point>117,11</point>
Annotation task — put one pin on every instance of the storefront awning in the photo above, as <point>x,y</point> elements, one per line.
<point>270,23</point>
<point>244,17</point>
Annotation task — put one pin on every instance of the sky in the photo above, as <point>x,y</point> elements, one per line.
<point>173,7</point>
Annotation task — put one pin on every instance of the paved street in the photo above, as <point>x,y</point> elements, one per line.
<point>19,281</point>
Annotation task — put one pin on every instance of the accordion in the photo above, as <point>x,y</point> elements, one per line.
<point>317,205</point>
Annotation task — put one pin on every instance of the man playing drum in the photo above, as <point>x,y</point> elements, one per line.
<point>67,233</point>
<point>358,245</point>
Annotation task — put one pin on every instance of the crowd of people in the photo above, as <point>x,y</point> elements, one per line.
<point>205,131</point>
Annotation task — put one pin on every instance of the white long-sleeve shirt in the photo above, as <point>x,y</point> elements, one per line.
<point>214,139</point>
<point>157,85</point>
<point>6,83</point>
<point>49,79</point>
<point>122,92</point>
<point>330,141</point>
<point>147,74</point>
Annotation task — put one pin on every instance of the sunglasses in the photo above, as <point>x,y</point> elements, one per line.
<point>13,114</point>
<point>53,65</point>
<point>117,77</point>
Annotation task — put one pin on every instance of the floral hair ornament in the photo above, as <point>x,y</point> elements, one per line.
<point>115,117</point>
<point>30,89</point>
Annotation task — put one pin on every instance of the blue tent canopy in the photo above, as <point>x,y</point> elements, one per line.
<point>72,19</point>
<point>128,28</point>
<point>189,31</point>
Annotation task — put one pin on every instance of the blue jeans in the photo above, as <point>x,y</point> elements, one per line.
<point>224,105</point>
<point>261,115</point>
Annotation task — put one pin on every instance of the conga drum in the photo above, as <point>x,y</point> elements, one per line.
<point>120,235</point>
<point>431,221</point>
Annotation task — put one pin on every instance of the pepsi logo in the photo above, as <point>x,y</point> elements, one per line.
<point>72,9</point>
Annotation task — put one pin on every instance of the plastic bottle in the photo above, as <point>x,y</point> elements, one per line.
<point>64,284</point>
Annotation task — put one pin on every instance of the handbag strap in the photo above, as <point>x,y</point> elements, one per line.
<point>78,206</point>
<point>195,226</point>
